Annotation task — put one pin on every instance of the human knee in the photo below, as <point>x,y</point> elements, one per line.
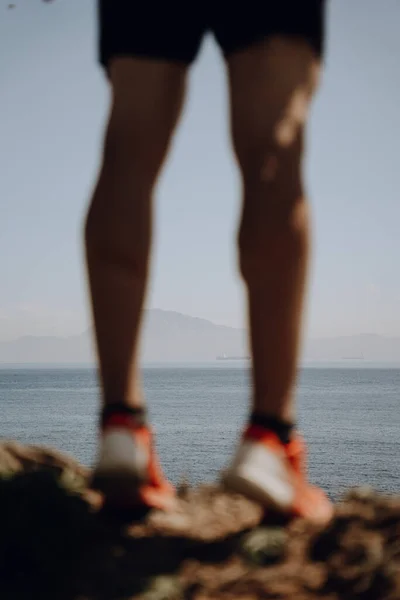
<point>117,225</point>
<point>132,155</point>
<point>275,213</point>
<point>269,158</point>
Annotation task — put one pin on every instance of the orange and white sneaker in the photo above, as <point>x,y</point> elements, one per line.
<point>274,474</point>
<point>128,472</point>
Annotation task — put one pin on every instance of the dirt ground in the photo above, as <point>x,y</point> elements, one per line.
<point>56,541</point>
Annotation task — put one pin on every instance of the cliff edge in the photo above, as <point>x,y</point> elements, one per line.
<point>57,542</point>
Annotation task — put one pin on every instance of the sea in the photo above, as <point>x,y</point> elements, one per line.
<point>349,414</point>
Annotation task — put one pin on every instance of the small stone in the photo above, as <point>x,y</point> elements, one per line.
<point>163,587</point>
<point>264,545</point>
<point>363,493</point>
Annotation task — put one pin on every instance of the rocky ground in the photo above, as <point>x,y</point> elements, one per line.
<point>57,542</point>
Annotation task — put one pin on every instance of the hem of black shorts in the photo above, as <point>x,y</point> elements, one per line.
<point>246,44</point>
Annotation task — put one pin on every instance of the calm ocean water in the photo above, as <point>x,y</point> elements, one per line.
<point>350,417</point>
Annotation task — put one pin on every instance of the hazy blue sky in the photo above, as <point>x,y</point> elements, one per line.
<point>54,101</point>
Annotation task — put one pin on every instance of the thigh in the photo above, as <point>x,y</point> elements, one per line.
<point>271,85</point>
<point>160,30</point>
<point>147,97</point>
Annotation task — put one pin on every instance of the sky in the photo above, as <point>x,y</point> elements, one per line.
<point>54,100</point>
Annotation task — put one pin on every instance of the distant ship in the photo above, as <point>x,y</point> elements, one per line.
<point>360,357</point>
<point>226,357</point>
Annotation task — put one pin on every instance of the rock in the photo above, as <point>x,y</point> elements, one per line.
<point>56,541</point>
<point>264,545</point>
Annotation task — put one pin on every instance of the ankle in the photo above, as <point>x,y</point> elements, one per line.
<point>281,427</point>
<point>136,415</point>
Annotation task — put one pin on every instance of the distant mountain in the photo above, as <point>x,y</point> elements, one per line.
<point>167,336</point>
<point>171,336</point>
<point>32,349</point>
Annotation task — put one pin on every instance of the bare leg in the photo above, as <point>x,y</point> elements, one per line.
<point>147,98</point>
<point>271,87</point>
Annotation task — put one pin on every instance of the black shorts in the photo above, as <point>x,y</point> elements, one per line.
<point>173,31</point>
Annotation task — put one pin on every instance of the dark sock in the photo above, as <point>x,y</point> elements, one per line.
<point>138,414</point>
<point>281,428</point>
